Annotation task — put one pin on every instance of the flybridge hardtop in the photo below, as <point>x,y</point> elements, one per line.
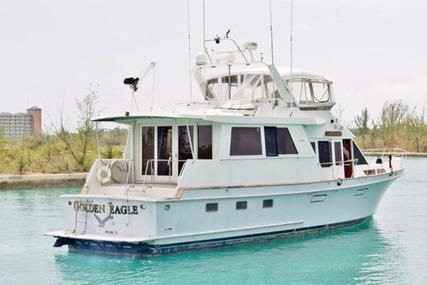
<point>260,157</point>
<point>235,75</point>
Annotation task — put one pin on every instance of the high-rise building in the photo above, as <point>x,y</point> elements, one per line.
<point>19,125</point>
<point>36,113</point>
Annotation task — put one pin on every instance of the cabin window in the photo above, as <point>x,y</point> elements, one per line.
<point>313,145</point>
<point>212,207</point>
<point>278,141</point>
<point>325,157</point>
<point>358,156</point>
<point>204,142</point>
<point>338,153</point>
<point>270,134</point>
<point>184,146</point>
<point>268,203</point>
<point>147,150</point>
<point>285,143</point>
<point>164,151</point>
<point>241,205</point>
<point>245,141</point>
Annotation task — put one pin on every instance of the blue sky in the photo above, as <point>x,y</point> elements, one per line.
<point>51,50</point>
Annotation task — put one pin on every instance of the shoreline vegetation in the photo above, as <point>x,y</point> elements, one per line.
<point>62,151</point>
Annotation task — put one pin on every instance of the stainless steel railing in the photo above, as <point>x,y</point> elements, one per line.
<point>150,166</point>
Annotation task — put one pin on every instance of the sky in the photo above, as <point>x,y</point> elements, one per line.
<point>51,52</point>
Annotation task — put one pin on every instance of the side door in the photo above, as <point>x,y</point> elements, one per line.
<point>348,157</point>
<point>158,154</point>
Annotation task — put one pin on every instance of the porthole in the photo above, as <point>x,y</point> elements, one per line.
<point>211,207</point>
<point>167,207</point>
<point>268,203</point>
<point>241,205</point>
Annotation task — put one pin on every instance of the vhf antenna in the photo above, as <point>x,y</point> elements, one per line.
<point>291,37</point>
<point>271,33</point>
<point>204,25</point>
<point>189,50</point>
<point>291,49</point>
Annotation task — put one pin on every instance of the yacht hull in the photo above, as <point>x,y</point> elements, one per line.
<point>164,227</point>
<point>149,250</point>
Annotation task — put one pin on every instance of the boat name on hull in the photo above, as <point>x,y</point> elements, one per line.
<point>101,208</point>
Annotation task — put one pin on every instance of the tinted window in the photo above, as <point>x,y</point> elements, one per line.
<point>338,153</point>
<point>313,145</point>
<point>245,141</point>
<point>147,150</point>
<point>325,157</point>
<point>358,156</point>
<point>267,203</point>
<point>285,143</point>
<point>270,141</point>
<point>211,207</point>
<point>241,205</point>
<point>184,146</point>
<point>204,142</point>
<point>164,150</point>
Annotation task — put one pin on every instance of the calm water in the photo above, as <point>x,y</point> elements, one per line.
<point>389,249</point>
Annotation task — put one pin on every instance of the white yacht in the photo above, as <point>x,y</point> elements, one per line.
<point>260,157</point>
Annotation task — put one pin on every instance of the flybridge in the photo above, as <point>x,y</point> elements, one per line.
<point>236,75</point>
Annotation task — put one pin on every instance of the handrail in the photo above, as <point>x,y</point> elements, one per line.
<point>383,152</point>
<point>344,162</point>
<point>150,163</point>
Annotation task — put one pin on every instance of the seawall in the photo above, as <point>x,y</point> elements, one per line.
<point>41,180</point>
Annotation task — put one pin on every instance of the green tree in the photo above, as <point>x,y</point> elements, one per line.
<point>78,144</point>
<point>361,122</point>
<point>392,118</point>
<point>416,127</point>
<point>111,139</point>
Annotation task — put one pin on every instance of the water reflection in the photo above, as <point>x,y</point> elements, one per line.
<point>361,254</point>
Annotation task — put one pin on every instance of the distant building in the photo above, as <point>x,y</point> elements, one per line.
<point>36,114</point>
<point>19,125</point>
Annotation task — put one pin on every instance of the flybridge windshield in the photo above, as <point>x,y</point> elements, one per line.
<point>310,91</point>
<point>250,87</point>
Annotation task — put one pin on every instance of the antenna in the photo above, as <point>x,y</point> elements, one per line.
<point>189,50</point>
<point>291,50</point>
<point>204,25</point>
<point>291,37</point>
<point>153,89</point>
<point>271,33</point>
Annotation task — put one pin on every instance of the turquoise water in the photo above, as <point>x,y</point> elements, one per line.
<point>389,249</point>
